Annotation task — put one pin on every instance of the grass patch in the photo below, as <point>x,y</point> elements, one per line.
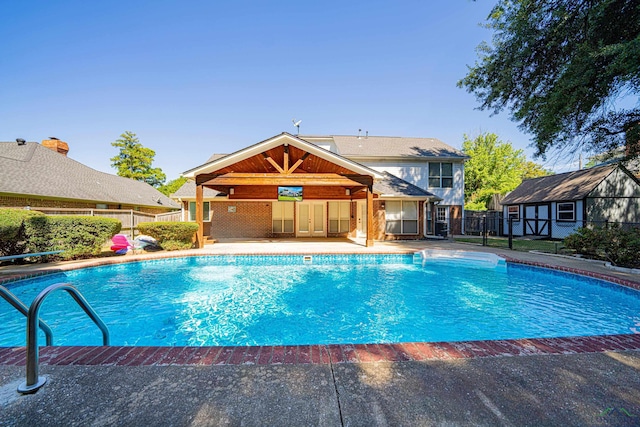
<point>550,246</point>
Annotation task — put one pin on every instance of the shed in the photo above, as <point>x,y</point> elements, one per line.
<point>555,206</point>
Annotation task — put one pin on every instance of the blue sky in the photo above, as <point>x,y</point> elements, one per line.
<point>194,78</point>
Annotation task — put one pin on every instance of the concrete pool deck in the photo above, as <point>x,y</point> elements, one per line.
<point>581,382</point>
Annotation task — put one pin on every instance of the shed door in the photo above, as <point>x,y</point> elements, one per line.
<point>537,220</point>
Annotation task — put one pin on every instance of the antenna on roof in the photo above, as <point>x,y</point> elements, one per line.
<point>296,123</point>
<point>20,141</point>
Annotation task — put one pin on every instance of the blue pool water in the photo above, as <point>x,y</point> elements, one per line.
<point>283,300</point>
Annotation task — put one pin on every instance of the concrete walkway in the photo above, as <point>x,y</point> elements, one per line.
<point>598,388</point>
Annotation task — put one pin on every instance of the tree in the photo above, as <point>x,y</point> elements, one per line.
<point>568,70</point>
<point>533,170</point>
<point>494,167</point>
<point>134,161</point>
<point>172,186</point>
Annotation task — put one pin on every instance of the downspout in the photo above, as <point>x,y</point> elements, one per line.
<point>424,217</point>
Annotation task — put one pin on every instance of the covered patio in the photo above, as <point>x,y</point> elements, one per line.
<point>256,173</point>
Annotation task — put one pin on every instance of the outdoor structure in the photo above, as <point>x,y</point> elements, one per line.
<point>378,188</point>
<point>555,206</point>
<point>41,175</point>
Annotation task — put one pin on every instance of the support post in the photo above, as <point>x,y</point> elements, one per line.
<point>484,230</point>
<point>200,216</point>
<point>510,232</point>
<point>369,241</point>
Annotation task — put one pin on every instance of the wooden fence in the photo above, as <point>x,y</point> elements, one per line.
<point>129,218</point>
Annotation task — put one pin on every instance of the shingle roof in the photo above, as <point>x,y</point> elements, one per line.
<point>393,146</point>
<point>391,185</point>
<point>568,186</point>
<point>188,191</point>
<point>34,170</point>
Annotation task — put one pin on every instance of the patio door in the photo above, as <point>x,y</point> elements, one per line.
<point>311,219</point>
<point>361,231</point>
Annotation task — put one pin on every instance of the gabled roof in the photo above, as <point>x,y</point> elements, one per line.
<point>569,186</point>
<point>215,164</point>
<point>390,146</point>
<point>392,186</point>
<point>34,170</point>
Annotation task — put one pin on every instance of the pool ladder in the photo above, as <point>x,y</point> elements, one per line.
<point>34,381</point>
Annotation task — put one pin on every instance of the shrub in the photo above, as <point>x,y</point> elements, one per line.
<point>613,244</point>
<point>77,236</point>
<point>13,240</point>
<point>23,231</point>
<point>170,235</point>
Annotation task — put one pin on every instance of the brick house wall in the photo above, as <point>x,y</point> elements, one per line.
<point>231,219</point>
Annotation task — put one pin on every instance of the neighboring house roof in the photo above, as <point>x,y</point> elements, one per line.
<point>391,146</point>
<point>392,186</point>
<point>188,191</point>
<point>34,170</point>
<point>215,157</point>
<point>568,186</point>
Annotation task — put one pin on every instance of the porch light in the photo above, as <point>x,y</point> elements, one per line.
<point>232,191</point>
<point>347,192</point>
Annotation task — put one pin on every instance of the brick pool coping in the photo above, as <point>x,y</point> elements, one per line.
<point>318,354</point>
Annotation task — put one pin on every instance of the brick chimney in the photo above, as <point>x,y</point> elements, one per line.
<point>56,145</point>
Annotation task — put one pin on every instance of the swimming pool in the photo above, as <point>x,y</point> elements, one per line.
<point>324,299</point>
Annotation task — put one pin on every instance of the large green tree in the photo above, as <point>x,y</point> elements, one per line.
<point>568,70</point>
<point>494,167</point>
<point>172,186</point>
<point>134,160</point>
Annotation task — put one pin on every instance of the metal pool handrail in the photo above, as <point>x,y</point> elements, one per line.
<point>34,382</point>
<point>22,308</point>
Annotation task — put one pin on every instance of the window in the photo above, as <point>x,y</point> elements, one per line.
<point>401,217</point>
<point>566,211</point>
<point>513,212</point>
<point>339,217</point>
<point>101,206</point>
<point>282,217</point>
<point>192,211</point>
<point>441,175</point>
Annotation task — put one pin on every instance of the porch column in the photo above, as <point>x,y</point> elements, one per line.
<point>200,216</point>
<point>369,241</point>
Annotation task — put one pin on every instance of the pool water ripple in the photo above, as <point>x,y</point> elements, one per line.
<point>281,300</point>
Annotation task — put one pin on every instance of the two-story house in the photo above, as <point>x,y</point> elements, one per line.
<point>379,188</point>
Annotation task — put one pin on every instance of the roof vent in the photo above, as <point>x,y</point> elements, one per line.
<point>21,141</point>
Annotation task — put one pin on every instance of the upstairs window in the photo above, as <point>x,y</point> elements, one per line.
<point>440,175</point>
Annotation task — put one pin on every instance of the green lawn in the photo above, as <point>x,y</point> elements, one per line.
<point>550,246</point>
